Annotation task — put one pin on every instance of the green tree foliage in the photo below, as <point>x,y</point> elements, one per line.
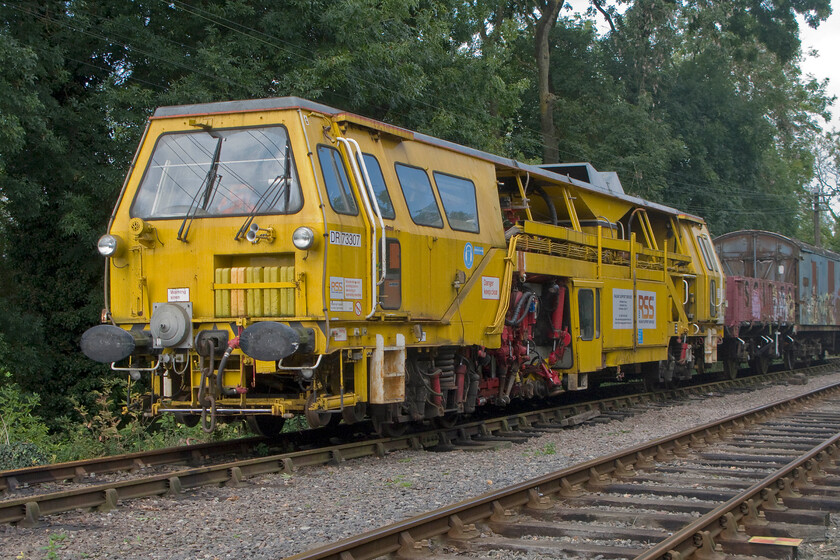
<point>695,108</point>
<point>56,183</point>
<point>825,193</point>
<point>393,60</point>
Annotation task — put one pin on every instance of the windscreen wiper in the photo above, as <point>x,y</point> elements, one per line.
<point>274,195</point>
<point>271,195</point>
<point>205,194</point>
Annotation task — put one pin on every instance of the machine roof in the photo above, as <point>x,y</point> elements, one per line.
<point>581,175</point>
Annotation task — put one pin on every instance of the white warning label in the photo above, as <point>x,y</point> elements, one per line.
<point>622,309</point>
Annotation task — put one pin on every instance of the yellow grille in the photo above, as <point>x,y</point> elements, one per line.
<point>255,291</point>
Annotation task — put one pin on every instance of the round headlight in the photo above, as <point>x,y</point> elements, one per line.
<point>303,237</point>
<point>108,245</point>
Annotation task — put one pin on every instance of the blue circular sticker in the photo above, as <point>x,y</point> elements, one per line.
<point>468,255</point>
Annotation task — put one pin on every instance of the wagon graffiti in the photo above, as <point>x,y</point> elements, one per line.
<point>755,302</point>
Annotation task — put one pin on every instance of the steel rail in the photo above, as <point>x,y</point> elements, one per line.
<point>725,519</point>
<point>409,538</point>
<point>77,470</point>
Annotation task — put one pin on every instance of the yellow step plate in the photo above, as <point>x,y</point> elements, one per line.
<point>782,541</point>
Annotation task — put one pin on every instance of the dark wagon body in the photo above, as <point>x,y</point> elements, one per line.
<point>783,297</point>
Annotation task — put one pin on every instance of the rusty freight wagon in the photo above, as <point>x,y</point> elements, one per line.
<point>782,299</point>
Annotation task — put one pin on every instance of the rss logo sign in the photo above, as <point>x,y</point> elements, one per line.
<point>646,310</point>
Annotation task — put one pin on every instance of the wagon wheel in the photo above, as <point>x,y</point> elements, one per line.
<point>789,359</point>
<point>760,364</point>
<point>730,368</point>
<point>390,429</point>
<point>264,425</point>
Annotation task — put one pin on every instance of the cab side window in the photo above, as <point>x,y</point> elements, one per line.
<point>335,178</point>
<point>458,197</point>
<point>379,188</point>
<point>419,197</point>
<point>707,251</point>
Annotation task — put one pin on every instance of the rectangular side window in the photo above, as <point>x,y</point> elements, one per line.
<point>458,197</point>
<point>379,188</point>
<point>712,298</point>
<point>586,314</point>
<point>390,292</point>
<point>419,197</point>
<point>707,251</point>
<point>339,191</point>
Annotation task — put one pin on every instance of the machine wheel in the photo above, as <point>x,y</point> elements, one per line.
<point>318,419</point>
<point>760,364</point>
<point>448,420</point>
<point>651,377</point>
<point>730,368</point>
<point>651,382</point>
<point>700,361</point>
<point>189,420</point>
<point>353,414</point>
<point>264,425</point>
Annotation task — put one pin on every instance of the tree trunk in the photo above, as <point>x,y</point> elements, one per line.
<point>548,18</point>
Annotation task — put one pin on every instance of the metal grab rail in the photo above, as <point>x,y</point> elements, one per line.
<point>375,203</point>
<point>356,158</point>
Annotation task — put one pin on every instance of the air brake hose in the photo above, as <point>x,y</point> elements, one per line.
<point>232,344</point>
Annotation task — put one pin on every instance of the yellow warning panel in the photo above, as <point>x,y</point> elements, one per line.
<point>783,541</point>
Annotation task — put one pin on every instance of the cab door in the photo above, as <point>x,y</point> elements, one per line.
<point>348,236</point>
<point>586,332</point>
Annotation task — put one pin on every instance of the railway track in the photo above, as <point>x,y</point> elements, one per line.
<point>28,509</point>
<point>752,484</point>
<point>27,479</point>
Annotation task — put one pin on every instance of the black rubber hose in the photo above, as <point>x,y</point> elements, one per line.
<point>523,303</point>
<point>220,374</point>
<point>552,211</point>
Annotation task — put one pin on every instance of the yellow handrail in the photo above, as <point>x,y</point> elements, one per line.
<point>496,326</point>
